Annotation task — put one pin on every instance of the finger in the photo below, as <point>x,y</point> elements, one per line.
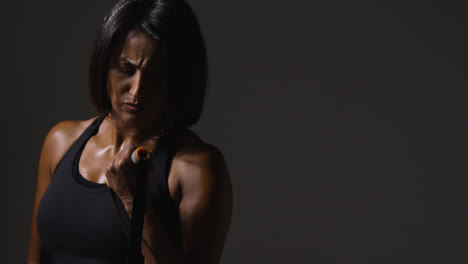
<point>127,151</point>
<point>122,159</point>
<point>119,163</point>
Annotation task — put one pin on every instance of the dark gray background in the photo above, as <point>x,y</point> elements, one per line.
<point>343,122</point>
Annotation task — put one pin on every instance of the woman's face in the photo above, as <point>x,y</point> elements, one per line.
<point>135,80</point>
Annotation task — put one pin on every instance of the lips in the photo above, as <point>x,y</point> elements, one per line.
<point>132,107</point>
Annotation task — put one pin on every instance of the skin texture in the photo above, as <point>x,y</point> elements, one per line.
<point>198,180</point>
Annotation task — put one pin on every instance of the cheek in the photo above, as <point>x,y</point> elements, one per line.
<point>112,86</point>
<point>110,92</point>
<point>159,98</point>
<point>157,101</point>
<point>153,91</point>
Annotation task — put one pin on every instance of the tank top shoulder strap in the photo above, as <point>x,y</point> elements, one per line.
<point>89,131</point>
<point>80,141</point>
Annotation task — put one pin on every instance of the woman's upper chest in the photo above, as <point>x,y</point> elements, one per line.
<point>96,158</point>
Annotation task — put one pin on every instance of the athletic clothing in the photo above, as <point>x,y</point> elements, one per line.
<point>84,222</point>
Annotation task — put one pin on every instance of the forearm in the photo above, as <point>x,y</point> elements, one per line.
<point>157,247</point>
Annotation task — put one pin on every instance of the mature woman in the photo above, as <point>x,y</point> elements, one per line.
<point>147,78</point>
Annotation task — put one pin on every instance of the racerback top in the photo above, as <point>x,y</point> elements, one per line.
<point>84,222</point>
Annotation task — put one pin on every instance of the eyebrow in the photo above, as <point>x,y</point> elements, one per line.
<point>159,67</point>
<point>130,62</point>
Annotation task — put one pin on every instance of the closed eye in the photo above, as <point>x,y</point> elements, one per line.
<point>127,68</point>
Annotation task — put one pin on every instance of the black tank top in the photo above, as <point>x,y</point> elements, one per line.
<point>84,222</point>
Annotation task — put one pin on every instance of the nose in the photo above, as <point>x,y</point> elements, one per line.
<point>135,86</point>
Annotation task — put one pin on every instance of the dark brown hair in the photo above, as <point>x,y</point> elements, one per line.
<point>174,24</point>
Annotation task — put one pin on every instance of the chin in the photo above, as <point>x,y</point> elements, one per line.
<point>139,117</point>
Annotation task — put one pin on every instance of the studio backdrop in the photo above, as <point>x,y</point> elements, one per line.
<point>343,123</point>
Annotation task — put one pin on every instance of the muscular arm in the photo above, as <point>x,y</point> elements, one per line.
<point>57,142</point>
<point>205,212</point>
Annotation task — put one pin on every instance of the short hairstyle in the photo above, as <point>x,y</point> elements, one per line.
<point>175,25</point>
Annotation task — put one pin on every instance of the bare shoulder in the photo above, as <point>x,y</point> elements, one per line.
<point>60,138</point>
<point>193,150</point>
<point>200,163</point>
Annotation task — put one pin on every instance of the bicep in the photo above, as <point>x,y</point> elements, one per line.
<point>206,208</point>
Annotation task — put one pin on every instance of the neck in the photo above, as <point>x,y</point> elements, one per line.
<point>135,134</point>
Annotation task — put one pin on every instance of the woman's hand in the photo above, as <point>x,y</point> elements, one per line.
<point>121,175</point>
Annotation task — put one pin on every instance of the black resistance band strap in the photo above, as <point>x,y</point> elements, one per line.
<point>133,227</point>
<point>138,213</point>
